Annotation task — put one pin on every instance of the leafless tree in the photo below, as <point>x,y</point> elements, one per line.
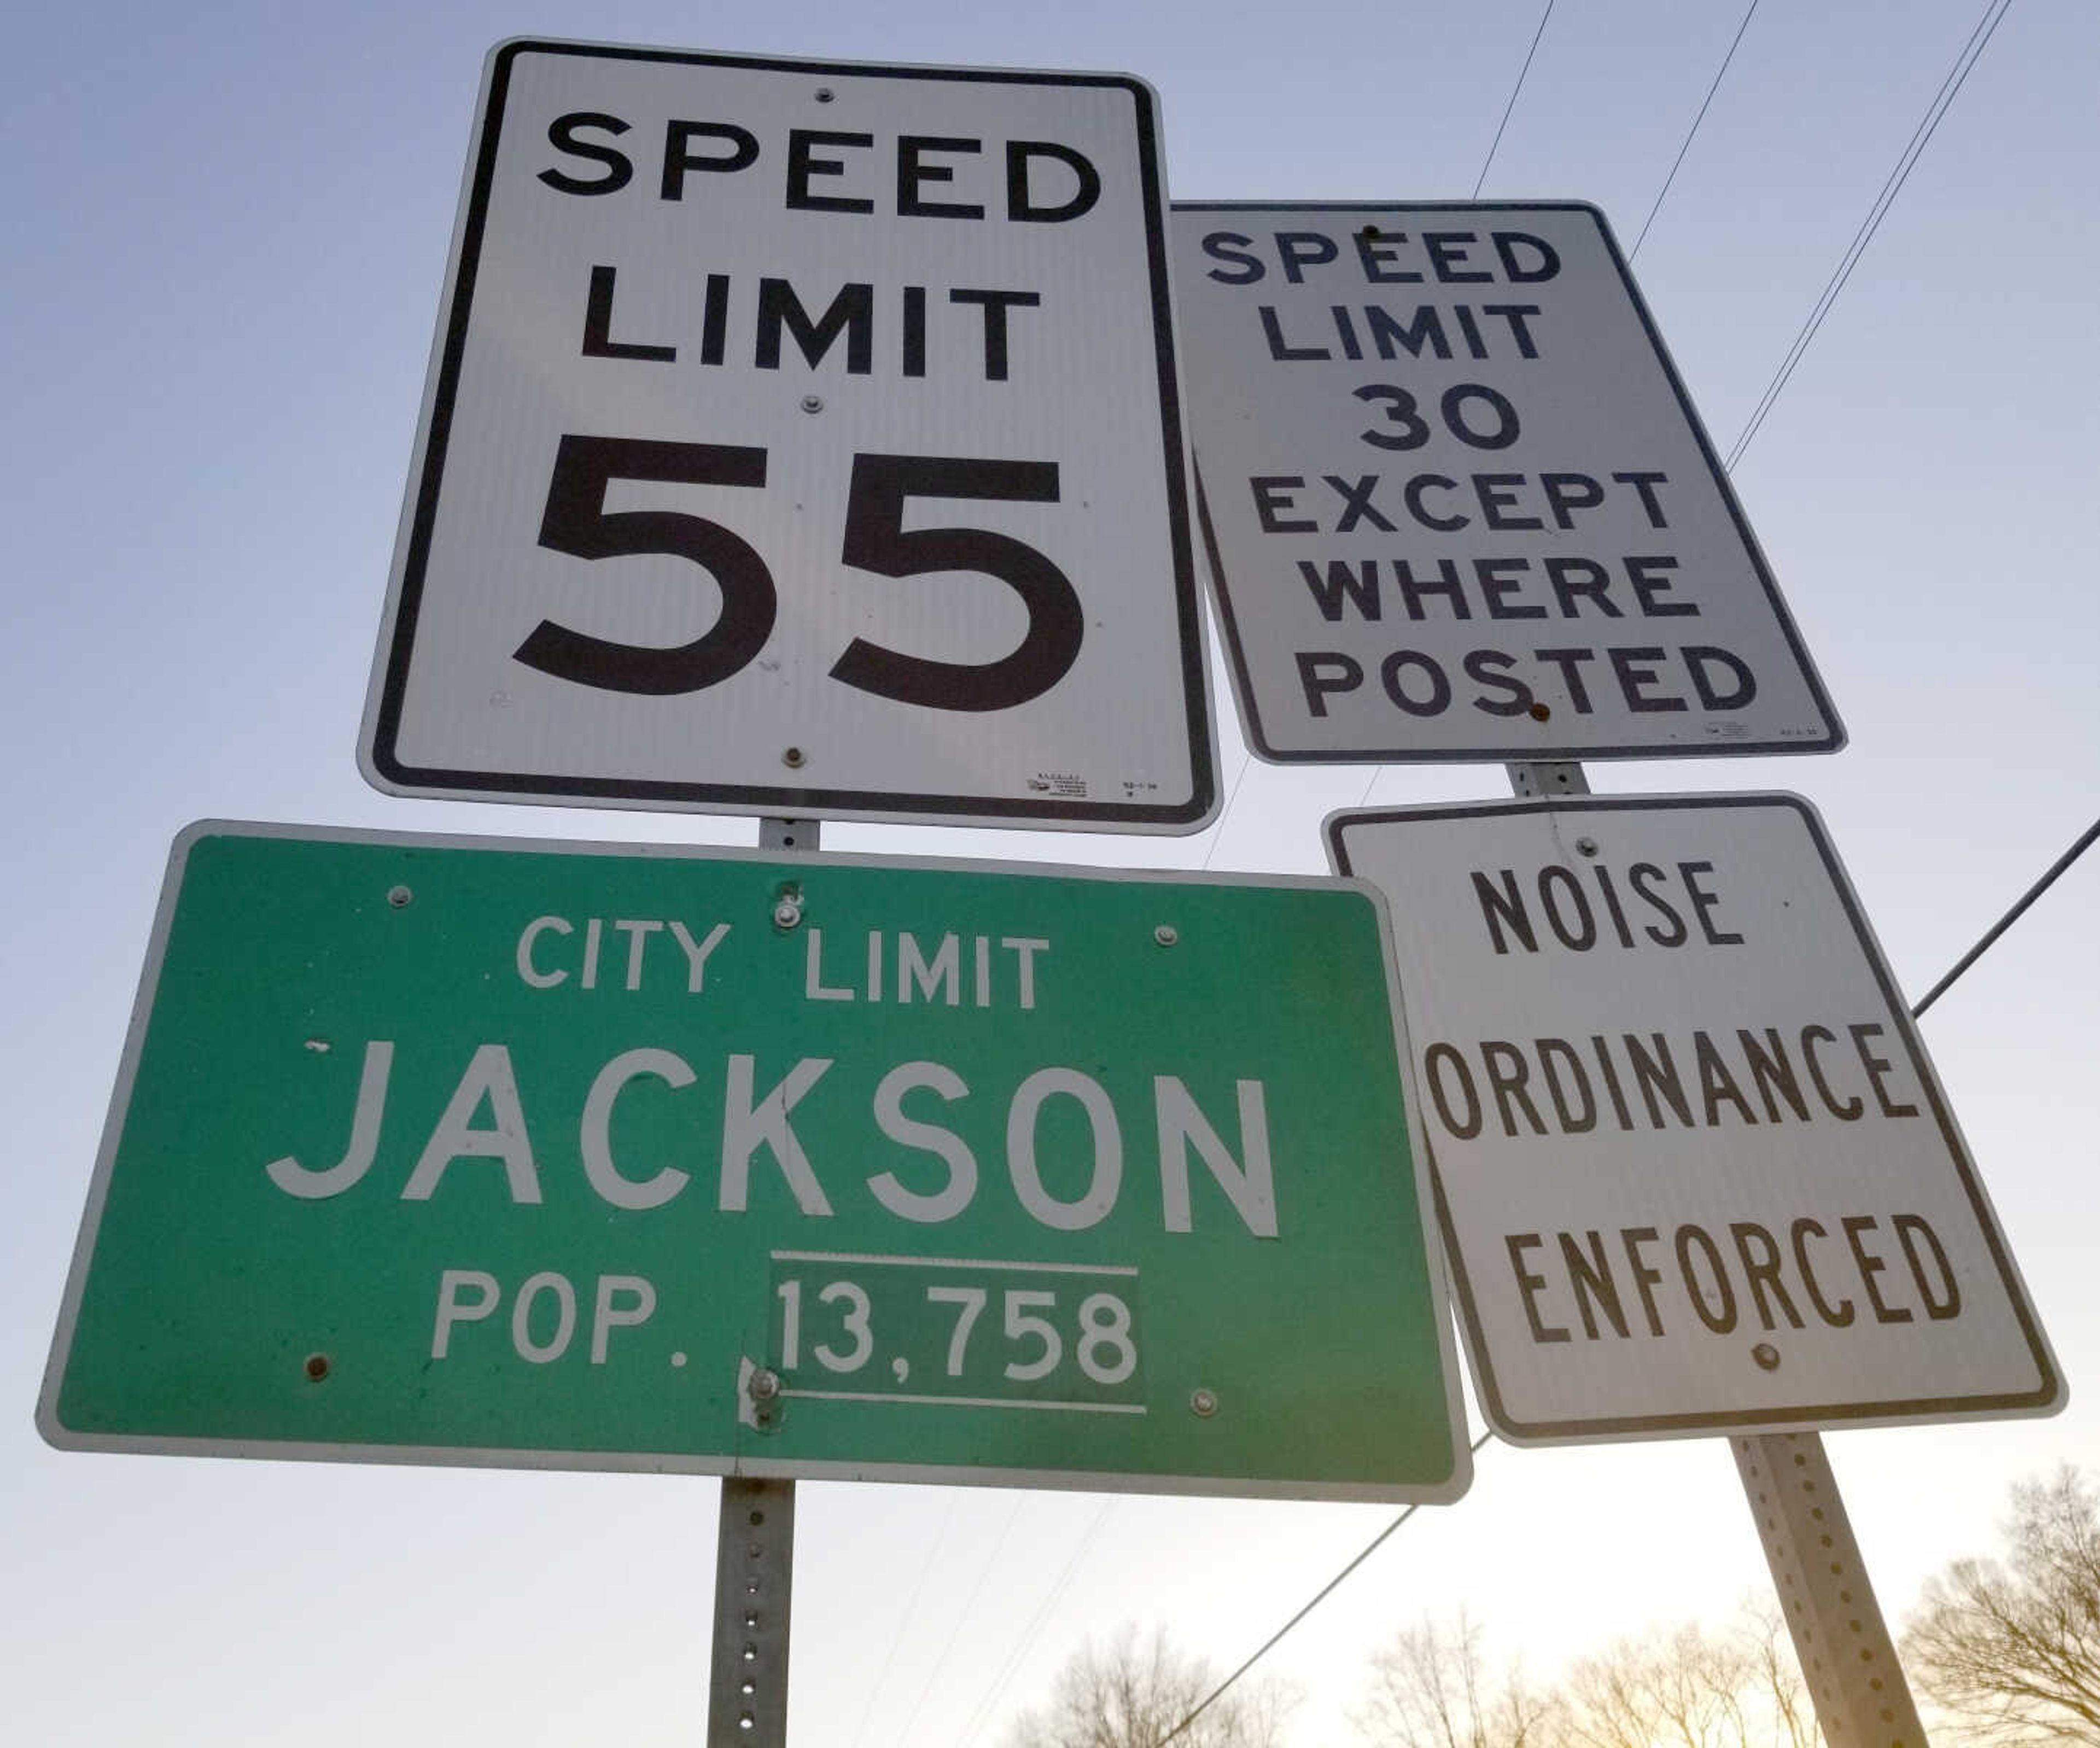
<point>2010,1651</point>
<point>1775,1673</point>
<point>1647,1693</point>
<point>1131,1693</point>
<point>1693,1689</point>
<point>1431,1688</point>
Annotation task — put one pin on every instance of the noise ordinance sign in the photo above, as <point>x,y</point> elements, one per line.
<point>1694,1170</point>
<point>802,438</point>
<point>1459,505</point>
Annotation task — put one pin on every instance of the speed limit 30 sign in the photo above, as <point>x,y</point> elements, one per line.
<point>1458,503</point>
<point>801,438</point>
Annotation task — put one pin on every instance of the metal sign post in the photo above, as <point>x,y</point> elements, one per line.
<point>754,1583</point>
<point>1842,1643</point>
<point>755,1548</point>
<point>1846,1656</point>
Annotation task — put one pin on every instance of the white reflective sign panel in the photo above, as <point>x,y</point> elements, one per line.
<point>1694,1170</point>
<point>801,438</point>
<point>1459,505</point>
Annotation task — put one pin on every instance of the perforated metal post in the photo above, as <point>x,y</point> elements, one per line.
<point>754,1584</point>
<point>1547,777</point>
<point>1847,1658</point>
<point>789,834</point>
<point>755,1549</point>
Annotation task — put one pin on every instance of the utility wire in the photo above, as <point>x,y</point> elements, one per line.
<point>910,1609</point>
<point>1979,40</point>
<point>1508,109</point>
<point>1964,62</point>
<point>1515,90</point>
<point>1376,1542</point>
<point>1225,812</point>
<point>969,1612</point>
<point>969,1730</point>
<point>2056,869</point>
<point>2034,892</point>
<point>1663,194</point>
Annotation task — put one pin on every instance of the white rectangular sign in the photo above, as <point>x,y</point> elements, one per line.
<point>1457,503</point>
<point>1693,1168</point>
<point>802,438</point>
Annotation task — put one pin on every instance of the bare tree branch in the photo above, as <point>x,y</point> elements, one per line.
<point>2010,1651</point>
<point>1130,1691</point>
<point>1692,1689</point>
<point>1430,1689</point>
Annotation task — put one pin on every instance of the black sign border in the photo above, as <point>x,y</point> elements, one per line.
<point>390,683</point>
<point>2049,1395</point>
<point>1548,748</point>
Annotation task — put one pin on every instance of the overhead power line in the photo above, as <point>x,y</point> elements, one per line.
<point>1225,812</point>
<point>1957,76</point>
<point>1515,90</point>
<point>983,1708</point>
<point>1991,935</point>
<point>1692,133</point>
<point>2055,872</point>
<point>1979,40</point>
<point>897,1633</point>
<point>968,1614</point>
<point>1324,1591</point>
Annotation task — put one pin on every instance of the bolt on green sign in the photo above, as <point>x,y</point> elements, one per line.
<point>468,1150</point>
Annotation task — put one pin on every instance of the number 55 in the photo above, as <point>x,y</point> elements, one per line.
<point>575,522</point>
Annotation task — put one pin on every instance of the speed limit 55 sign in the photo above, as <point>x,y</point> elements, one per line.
<point>801,438</point>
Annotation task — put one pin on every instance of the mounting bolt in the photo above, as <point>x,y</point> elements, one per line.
<point>786,911</point>
<point>1203,1404</point>
<point>793,758</point>
<point>399,897</point>
<point>317,1367</point>
<point>1767,1356</point>
<point>1167,934</point>
<point>813,403</point>
<point>765,1385</point>
<point>1539,711</point>
<point>1586,846</point>
<point>823,94</point>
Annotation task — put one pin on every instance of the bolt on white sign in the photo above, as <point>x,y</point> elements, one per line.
<point>1694,1170</point>
<point>1457,503</point>
<point>802,438</point>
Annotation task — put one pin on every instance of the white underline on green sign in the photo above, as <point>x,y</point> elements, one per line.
<point>952,1262</point>
<point>966,1401</point>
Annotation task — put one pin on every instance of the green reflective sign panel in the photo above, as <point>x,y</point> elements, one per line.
<point>463,1150</point>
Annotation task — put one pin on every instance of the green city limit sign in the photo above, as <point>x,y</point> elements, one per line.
<point>449,1149</point>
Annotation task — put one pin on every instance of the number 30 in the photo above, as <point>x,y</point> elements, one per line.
<point>576,521</point>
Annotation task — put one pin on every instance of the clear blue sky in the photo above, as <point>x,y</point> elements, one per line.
<point>226,228</point>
